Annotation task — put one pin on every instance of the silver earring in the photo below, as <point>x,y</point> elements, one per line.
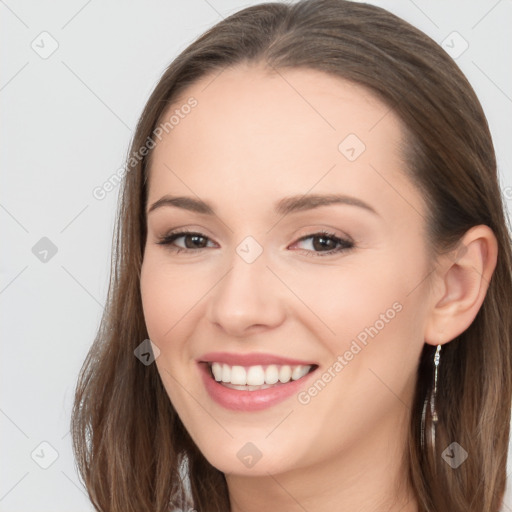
<point>433,412</point>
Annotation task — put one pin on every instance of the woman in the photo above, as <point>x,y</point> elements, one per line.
<point>311,235</point>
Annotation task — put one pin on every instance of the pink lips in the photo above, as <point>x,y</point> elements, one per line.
<point>249,359</point>
<point>258,400</point>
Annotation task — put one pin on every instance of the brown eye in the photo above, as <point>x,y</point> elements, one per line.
<point>196,241</point>
<point>191,241</point>
<point>325,243</point>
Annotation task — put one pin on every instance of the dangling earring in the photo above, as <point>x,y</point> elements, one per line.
<point>433,412</point>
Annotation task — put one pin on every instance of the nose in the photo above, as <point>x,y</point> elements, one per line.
<point>247,299</point>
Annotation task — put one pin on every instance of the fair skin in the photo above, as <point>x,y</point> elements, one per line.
<point>253,139</point>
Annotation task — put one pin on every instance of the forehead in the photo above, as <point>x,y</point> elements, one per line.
<point>256,130</point>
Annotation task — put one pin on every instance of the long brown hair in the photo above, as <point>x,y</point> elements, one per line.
<point>132,450</point>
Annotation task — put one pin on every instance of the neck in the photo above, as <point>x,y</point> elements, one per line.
<point>369,477</point>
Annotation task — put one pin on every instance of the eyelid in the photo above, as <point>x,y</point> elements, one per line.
<point>345,242</point>
<point>173,235</point>
<point>327,231</point>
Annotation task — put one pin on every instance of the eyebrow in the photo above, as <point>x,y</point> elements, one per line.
<point>284,206</point>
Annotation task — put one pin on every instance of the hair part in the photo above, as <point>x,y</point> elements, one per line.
<point>129,442</point>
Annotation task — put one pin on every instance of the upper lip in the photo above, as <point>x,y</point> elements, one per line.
<point>253,359</point>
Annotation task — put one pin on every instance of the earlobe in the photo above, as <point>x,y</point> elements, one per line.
<point>464,275</point>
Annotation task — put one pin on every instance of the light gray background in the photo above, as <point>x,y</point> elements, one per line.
<point>67,123</point>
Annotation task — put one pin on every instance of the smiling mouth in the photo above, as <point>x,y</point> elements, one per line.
<point>257,377</point>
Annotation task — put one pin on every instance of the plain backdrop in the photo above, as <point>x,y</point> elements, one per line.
<point>75,77</point>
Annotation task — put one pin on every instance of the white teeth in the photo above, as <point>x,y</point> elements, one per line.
<point>226,373</point>
<point>285,373</point>
<point>257,375</point>
<point>238,375</point>
<point>299,371</point>
<point>271,374</point>
<point>217,371</point>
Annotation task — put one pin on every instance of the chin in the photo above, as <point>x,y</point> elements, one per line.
<point>248,459</point>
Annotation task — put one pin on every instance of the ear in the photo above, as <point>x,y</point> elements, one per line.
<point>461,282</point>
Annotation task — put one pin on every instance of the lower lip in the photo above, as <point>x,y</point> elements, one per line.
<point>258,400</point>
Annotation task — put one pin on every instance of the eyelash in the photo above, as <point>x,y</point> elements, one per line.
<point>345,245</point>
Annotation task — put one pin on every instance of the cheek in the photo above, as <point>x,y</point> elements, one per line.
<point>157,313</point>
<point>351,296</point>
<point>166,300</point>
<point>372,312</point>
<point>167,297</point>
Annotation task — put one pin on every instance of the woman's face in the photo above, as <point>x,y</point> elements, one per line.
<point>308,246</point>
